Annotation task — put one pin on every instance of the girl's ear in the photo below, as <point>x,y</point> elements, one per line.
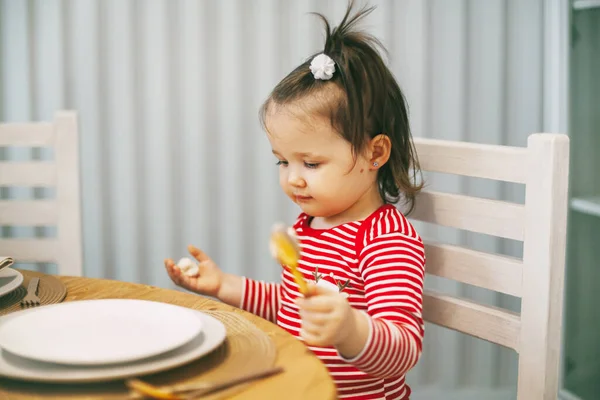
<point>379,149</point>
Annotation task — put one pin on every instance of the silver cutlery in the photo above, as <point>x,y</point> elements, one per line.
<point>31,299</point>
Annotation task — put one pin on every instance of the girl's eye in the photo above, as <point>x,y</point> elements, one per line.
<point>281,162</point>
<point>311,165</point>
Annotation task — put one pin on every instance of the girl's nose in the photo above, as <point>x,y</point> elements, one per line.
<point>296,180</point>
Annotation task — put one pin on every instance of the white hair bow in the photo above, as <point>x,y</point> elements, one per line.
<point>322,67</point>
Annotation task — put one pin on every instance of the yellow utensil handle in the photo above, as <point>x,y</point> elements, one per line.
<point>287,254</point>
<point>151,390</point>
<point>299,280</point>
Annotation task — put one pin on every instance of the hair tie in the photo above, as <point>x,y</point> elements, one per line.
<point>322,67</point>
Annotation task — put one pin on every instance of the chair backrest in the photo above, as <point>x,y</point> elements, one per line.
<point>60,173</point>
<point>537,278</point>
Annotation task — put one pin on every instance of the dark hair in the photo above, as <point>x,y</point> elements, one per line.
<point>369,103</point>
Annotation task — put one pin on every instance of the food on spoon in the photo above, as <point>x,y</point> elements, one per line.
<point>285,248</point>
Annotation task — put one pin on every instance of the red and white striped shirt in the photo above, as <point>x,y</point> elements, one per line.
<point>383,259</point>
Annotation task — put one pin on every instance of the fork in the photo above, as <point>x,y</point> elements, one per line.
<point>31,298</point>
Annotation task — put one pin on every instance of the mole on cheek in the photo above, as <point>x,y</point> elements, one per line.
<point>362,170</point>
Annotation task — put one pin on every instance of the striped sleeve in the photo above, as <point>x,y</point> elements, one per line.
<point>261,298</point>
<point>393,267</point>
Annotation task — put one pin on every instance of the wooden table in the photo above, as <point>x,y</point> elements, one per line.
<point>305,377</point>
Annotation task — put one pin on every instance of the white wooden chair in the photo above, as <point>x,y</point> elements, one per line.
<point>535,333</point>
<point>64,211</point>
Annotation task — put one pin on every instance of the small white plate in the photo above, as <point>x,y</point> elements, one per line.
<point>96,332</point>
<point>15,367</point>
<point>10,280</point>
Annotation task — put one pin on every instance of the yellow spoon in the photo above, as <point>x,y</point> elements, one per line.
<point>287,252</point>
<point>194,390</point>
<point>151,390</point>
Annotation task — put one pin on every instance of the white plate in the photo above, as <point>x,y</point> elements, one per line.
<point>10,280</point>
<point>96,332</point>
<point>15,367</point>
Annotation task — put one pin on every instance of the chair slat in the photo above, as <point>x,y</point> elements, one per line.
<point>68,194</point>
<point>494,272</point>
<point>31,250</point>
<point>37,134</point>
<point>28,213</point>
<point>492,217</point>
<point>488,323</point>
<point>27,174</point>
<point>502,163</point>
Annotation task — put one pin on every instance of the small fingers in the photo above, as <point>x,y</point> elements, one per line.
<point>197,253</point>
<point>312,327</point>
<point>314,318</point>
<point>317,303</point>
<point>312,338</point>
<point>170,266</point>
<point>173,271</point>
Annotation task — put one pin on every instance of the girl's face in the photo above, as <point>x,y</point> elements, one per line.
<point>317,169</point>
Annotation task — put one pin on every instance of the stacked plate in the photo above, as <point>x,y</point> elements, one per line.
<point>100,340</point>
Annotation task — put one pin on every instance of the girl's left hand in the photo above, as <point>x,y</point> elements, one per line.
<point>327,317</point>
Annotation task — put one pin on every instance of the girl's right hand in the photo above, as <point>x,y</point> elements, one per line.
<point>209,279</point>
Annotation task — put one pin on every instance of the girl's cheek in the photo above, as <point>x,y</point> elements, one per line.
<point>282,179</point>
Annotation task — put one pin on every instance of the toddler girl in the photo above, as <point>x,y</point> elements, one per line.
<point>338,126</point>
